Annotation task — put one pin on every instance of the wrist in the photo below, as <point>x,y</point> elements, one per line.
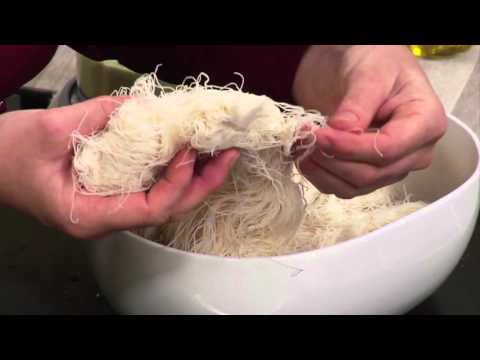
<point>317,71</point>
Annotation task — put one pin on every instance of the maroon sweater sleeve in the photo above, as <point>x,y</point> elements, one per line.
<point>268,69</point>
<point>21,63</point>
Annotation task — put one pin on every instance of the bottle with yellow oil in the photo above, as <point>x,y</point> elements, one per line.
<point>438,51</point>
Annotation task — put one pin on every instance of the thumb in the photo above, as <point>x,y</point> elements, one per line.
<point>88,116</point>
<point>358,107</point>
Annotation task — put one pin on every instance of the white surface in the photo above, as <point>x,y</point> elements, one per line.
<point>449,76</point>
<point>388,271</point>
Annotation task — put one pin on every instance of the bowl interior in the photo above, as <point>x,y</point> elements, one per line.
<point>456,161</point>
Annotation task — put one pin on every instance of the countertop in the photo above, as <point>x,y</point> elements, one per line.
<point>43,271</point>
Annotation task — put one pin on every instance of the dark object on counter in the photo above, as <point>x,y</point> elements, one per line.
<point>27,98</point>
<point>460,294</point>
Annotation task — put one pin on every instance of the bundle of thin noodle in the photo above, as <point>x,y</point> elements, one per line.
<point>261,210</point>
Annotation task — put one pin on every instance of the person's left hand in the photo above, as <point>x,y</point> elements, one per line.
<point>36,177</point>
<point>361,87</point>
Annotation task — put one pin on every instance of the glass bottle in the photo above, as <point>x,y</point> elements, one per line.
<point>438,51</point>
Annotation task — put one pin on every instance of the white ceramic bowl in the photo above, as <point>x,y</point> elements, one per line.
<point>388,271</point>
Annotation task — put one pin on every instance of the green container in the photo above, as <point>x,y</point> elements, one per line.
<point>96,78</point>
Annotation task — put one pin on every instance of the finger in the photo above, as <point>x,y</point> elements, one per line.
<point>211,177</point>
<point>137,209</point>
<point>363,175</point>
<point>405,133</point>
<point>113,213</point>
<point>362,98</point>
<point>325,182</point>
<point>328,183</point>
<point>170,188</point>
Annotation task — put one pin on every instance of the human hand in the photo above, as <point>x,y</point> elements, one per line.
<point>361,87</point>
<point>36,177</point>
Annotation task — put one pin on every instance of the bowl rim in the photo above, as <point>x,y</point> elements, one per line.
<point>343,246</point>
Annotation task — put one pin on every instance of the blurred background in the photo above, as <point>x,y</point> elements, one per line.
<point>43,271</point>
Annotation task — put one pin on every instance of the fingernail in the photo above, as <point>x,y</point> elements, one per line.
<point>328,156</point>
<point>233,158</point>
<point>324,143</point>
<point>356,130</point>
<point>344,120</point>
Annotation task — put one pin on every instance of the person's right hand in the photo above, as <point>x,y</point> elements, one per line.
<point>36,174</point>
<point>363,88</point>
